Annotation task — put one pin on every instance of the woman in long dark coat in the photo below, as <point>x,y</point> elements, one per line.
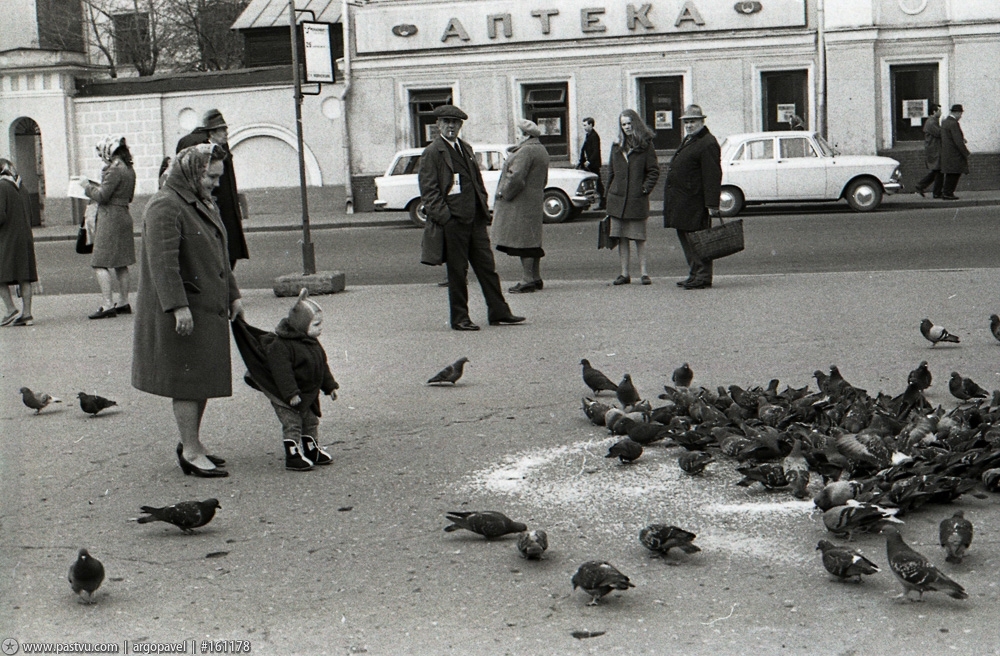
<point>17,246</point>
<point>634,171</point>
<point>517,211</point>
<point>187,296</point>
<point>114,245</point>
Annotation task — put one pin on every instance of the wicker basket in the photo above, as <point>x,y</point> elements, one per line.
<point>718,241</point>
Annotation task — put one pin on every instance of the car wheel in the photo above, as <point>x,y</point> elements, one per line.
<point>864,195</point>
<point>730,201</point>
<point>555,206</point>
<point>417,214</point>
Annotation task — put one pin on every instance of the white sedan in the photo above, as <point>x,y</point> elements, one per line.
<point>770,167</point>
<point>568,192</point>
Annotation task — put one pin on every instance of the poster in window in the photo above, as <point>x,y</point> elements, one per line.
<point>550,126</point>
<point>786,112</point>
<point>664,119</point>
<point>915,110</point>
<point>431,132</point>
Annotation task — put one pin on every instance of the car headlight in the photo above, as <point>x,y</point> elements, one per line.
<point>896,175</point>
<point>590,184</point>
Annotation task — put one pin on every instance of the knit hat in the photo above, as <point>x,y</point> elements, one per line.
<point>303,312</point>
<point>530,128</point>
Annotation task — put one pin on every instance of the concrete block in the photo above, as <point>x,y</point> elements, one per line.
<point>321,282</point>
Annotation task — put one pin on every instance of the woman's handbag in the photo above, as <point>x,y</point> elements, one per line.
<point>719,241</point>
<point>82,245</point>
<point>604,238</point>
<point>432,244</point>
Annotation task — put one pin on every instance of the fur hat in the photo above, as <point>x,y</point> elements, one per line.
<point>303,312</point>
<point>530,128</point>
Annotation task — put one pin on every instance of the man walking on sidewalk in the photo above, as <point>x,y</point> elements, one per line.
<point>954,152</point>
<point>932,153</point>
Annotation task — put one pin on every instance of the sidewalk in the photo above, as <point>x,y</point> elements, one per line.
<point>325,219</point>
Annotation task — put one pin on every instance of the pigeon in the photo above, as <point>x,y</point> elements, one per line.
<point>995,326</point>
<point>646,433</point>
<point>451,373</point>
<point>598,578</point>
<point>921,376</point>
<point>694,462</point>
<point>488,523</point>
<point>911,399</point>
<point>86,575</point>
<point>916,572</point>
<point>595,410</point>
<point>37,401</point>
<point>187,515</point>
<point>662,538</point>
<point>935,334</point>
<point>956,535</point>
<point>682,376</point>
<point>963,388</point>
<point>845,563</point>
<point>92,404</point>
<point>626,392</point>
<point>625,450</point>
<point>991,479</point>
<point>844,520</point>
<point>532,544</point>
<point>770,475</point>
<point>596,380</point>
<point>797,471</point>
<point>836,493</point>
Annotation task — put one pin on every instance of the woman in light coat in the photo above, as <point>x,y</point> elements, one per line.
<point>518,208</point>
<point>187,297</point>
<point>114,245</point>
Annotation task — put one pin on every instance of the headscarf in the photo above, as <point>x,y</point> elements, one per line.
<point>9,172</point>
<point>107,147</point>
<point>188,168</point>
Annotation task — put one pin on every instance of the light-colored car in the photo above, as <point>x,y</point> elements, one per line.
<point>781,167</point>
<point>568,192</point>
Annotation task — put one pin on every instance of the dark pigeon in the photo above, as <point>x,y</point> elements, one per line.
<point>963,388</point>
<point>488,523</point>
<point>626,392</point>
<point>995,326</point>
<point>92,404</point>
<point>598,578</point>
<point>451,373</point>
<point>921,376</point>
<point>770,475</point>
<point>682,376</point>
<point>845,563</point>
<point>86,575</point>
<point>187,515</point>
<point>694,462</point>
<point>37,401</point>
<point>955,533</point>
<point>844,520</point>
<point>532,544</point>
<point>625,450</point>
<point>934,333</point>
<point>662,538</point>
<point>596,380</point>
<point>916,572</point>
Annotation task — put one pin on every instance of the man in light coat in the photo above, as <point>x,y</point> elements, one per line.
<point>954,152</point>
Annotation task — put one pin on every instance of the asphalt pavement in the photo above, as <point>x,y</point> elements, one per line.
<point>352,558</point>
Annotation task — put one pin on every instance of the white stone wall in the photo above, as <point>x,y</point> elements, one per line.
<point>138,119</point>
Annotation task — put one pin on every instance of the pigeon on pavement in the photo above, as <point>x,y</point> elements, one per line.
<point>956,535</point>
<point>596,380</point>
<point>92,404</point>
<point>532,544</point>
<point>488,523</point>
<point>625,450</point>
<point>682,376</point>
<point>86,575</point>
<point>916,572</point>
<point>934,333</point>
<point>845,563</point>
<point>921,376</point>
<point>598,578</point>
<point>187,515</point>
<point>844,520</point>
<point>694,462</point>
<point>37,401</point>
<point>451,373</point>
<point>964,388</point>
<point>626,392</point>
<point>770,475</point>
<point>662,538</point>
<point>995,326</point>
<point>836,493</point>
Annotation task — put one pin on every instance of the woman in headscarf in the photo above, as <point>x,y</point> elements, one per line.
<point>517,212</point>
<point>114,246</point>
<point>187,296</point>
<point>17,247</point>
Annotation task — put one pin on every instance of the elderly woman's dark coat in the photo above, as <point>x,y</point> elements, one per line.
<point>630,181</point>
<point>17,246</point>
<point>183,262</point>
<point>694,183</point>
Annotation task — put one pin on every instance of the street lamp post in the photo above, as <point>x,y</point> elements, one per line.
<point>308,252</point>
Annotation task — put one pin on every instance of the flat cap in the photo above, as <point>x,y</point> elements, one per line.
<point>530,128</point>
<point>450,111</point>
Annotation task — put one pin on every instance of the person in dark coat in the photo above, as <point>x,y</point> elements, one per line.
<point>691,192</point>
<point>633,172</point>
<point>187,296</point>
<point>213,129</point>
<point>932,153</point>
<point>454,197</point>
<point>114,240</point>
<point>590,157</point>
<point>954,152</point>
<point>17,246</point>
<point>518,213</point>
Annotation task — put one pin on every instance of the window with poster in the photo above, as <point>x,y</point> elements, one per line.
<point>914,88</point>
<point>785,98</point>
<point>660,100</point>
<point>546,105</point>
<point>422,105</point>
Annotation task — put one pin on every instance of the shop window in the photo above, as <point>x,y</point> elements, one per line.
<point>914,88</point>
<point>660,99</point>
<point>546,105</point>
<point>422,105</point>
<point>784,95</point>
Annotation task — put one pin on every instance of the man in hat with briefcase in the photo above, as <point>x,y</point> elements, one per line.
<point>691,192</point>
<point>454,197</point>
<point>954,152</point>
<point>213,129</point>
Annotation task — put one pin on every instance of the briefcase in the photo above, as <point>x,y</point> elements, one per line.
<point>718,241</point>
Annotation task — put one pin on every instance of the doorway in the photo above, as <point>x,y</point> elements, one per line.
<point>785,96</point>
<point>27,156</point>
<point>547,106</point>
<point>660,99</point>
<point>914,89</point>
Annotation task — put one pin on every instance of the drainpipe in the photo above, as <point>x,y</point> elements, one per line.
<point>346,136</point>
<point>821,68</point>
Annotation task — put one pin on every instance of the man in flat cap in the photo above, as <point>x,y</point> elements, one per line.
<point>954,152</point>
<point>454,197</point>
<point>213,129</point>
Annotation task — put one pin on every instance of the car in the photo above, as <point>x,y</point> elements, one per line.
<point>567,194</point>
<point>795,166</point>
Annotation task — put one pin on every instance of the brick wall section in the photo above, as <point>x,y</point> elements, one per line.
<point>140,120</point>
<point>984,170</point>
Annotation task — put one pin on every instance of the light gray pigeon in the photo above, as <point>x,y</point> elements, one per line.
<point>37,401</point>
<point>914,571</point>
<point>955,533</point>
<point>532,544</point>
<point>845,563</point>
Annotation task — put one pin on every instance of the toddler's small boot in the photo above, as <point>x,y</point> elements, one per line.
<point>294,459</point>
<point>314,451</point>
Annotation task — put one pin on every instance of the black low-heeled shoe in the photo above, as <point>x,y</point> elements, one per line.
<point>216,460</point>
<point>191,469</point>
